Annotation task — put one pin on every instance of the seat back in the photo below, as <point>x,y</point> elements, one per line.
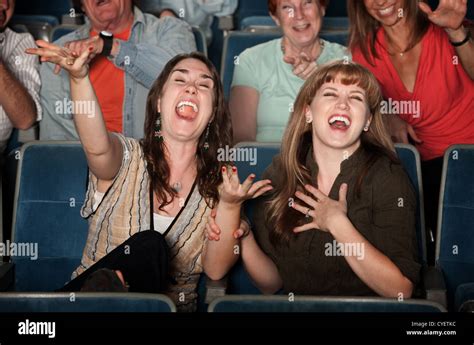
<point>316,304</point>
<point>35,18</point>
<point>96,302</point>
<point>234,44</point>
<point>249,8</point>
<point>61,30</point>
<point>410,159</point>
<point>455,240</point>
<point>200,38</point>
<point>50,189</point>
<point>55,8</point>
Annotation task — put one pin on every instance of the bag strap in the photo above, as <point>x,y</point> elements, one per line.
<point>152,225</point>
<point>152,222</point>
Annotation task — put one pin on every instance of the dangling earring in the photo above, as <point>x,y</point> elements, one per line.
<point>206,136</point>
<point>309,119</point>
<point>158,133</point>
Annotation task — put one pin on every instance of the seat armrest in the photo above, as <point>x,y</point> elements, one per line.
<point>7,276</point>
<point>434,284</point>
<point>215,289</point>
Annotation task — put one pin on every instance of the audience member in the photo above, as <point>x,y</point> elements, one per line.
<point>267,77</point>
<point>424,62</point>
<point>129,50</point>
<point>341,217</point>
<point>19,78</point>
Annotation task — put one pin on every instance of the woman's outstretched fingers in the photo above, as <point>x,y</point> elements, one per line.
<point>300,208</point>
<point>304,227</point>
<point>306,199</point>
<point>259,188</point>
<point>343,193</point>
<point>247,184</point>
<point>316,192</point>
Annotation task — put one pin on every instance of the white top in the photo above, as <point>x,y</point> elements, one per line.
<point>160,223</point>
<point>24,67</point>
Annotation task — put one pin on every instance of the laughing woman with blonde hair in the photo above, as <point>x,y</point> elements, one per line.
<point>337,186</point>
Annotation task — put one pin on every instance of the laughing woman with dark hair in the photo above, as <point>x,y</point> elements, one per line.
<point>167,182</point>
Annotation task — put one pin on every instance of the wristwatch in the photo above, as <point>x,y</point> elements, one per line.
<point>108,39</point>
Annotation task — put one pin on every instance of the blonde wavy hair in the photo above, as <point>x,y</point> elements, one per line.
<point>297,141</point>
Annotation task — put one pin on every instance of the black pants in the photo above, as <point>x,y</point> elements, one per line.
<point>431,174</point>
<point>142,259</point>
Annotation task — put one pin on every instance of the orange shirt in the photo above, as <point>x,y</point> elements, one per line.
<point>109,85</point>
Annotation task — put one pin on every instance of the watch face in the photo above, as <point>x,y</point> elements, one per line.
<point>106,33</point>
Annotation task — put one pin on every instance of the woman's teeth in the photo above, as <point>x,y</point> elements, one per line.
<point>339,120</point>
<point>187,109</point>
<point>301,27</point>
<point>386,11</point>
<point>189,104</point>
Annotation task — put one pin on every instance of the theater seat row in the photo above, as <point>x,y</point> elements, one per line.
<point>50,190</point>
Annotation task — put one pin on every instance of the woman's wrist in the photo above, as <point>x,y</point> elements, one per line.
<point>229,206</point>
<point>78,80</point>
<point>457,35</point>
<point>338,224</point>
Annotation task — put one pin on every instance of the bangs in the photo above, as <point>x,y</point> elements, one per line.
<point>348,74</point>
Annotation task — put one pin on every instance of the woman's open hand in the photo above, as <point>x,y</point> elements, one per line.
<point>449,14</point>
<point>400,131</point>
<point>324,211</point>
<point>76,65</point>
<point>232,192</point>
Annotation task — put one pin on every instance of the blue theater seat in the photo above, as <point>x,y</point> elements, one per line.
<point>234,44</point>
<point>239,281</point>
<point>200,38</point>
<point>50,190</point>
<point>55,8</point>
<point>62,30</point>
<point>266,304</point>
<point>101,302</point>
<point>25,19</point>
<point>455,240</point>
<point>249,8</point>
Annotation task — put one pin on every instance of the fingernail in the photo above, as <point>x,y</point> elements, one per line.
<point>223,169</point>
<point>91,48</point>
<point>234,168</point>
<point>252,177</point>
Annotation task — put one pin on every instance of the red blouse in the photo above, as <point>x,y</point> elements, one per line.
<point>441,106</point>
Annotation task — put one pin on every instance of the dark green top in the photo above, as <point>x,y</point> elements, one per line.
<point>378,215</point>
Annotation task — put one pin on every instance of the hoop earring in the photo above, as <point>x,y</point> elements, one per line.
<point>206,136</point>
<point>158,134</point>
<point>366,128</point>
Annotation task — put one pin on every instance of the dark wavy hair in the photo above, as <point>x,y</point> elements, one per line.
<point>363,28</point>
<point>220,135</point>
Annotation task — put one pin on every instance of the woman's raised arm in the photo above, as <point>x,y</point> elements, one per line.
<point>103,150</point>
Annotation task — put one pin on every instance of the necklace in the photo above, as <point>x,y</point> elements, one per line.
<point>321,45</point>
<point>177,187</point>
